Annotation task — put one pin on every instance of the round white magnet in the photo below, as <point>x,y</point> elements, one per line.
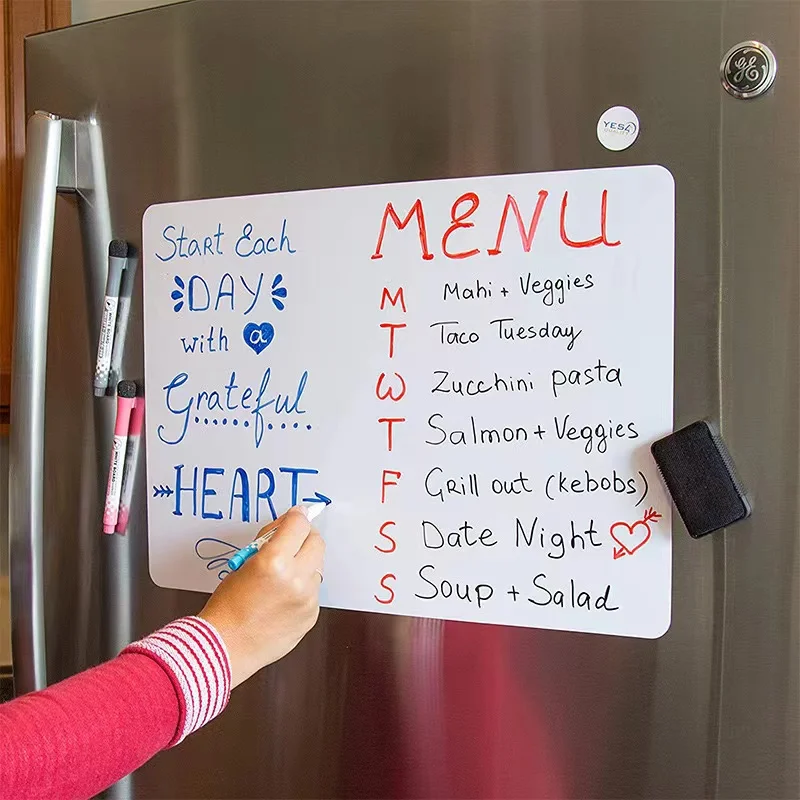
<point>617,128</point>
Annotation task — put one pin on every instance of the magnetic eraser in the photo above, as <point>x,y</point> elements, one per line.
<point>126,389</point>
<point>700,477</point>
<point>118,248</point>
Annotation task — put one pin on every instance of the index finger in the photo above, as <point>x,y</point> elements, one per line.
<point>291,534</point>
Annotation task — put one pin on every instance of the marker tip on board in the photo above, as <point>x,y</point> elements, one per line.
<point>237,560</point>
<point>313,510</point>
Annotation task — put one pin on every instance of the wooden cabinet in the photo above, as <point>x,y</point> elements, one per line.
<point>18,19</point>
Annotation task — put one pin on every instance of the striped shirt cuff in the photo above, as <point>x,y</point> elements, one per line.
<point>194,656</point>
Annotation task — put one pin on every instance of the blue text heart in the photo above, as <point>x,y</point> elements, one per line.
<point>258,336</point>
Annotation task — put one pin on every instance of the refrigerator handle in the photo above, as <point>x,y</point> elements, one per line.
<point>49,167</point>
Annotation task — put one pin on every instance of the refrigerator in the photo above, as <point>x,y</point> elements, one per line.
<point>235,97</point>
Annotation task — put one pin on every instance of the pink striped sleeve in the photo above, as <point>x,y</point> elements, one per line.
<point>194,656</point>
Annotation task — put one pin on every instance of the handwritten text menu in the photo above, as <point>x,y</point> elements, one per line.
<point>471,371</point>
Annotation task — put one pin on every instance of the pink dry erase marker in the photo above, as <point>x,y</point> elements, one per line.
<point>126,399</point>
<point>131,460</point>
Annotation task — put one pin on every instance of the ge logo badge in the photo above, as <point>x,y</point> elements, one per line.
<point>748,70</point>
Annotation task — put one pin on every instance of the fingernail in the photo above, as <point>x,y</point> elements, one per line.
<point>303,510</point>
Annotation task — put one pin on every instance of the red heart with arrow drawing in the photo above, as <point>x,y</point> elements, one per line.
<point>632,537</point>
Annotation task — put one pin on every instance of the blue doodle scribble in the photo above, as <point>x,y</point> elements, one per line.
<point>216,553</point>
<point>177,294</point>
<point>258,337</point>
<point>278,292</point>
<point>162,491</point>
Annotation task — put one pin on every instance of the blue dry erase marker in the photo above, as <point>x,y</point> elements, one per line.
<point>237,560</point>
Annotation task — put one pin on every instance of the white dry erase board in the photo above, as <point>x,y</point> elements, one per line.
<point>472,370</point>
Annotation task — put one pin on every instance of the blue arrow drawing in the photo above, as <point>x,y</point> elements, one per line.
<point>318,498</point>
<point>162,491</point>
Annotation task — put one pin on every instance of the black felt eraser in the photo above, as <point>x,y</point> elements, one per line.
<point>699,474</point>
<point>126,389</point>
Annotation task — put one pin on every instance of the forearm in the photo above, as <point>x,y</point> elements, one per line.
<point>79,736</point>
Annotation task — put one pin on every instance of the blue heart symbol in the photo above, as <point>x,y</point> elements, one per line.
<point>258,336</point>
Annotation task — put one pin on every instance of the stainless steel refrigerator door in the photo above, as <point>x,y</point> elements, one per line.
<point>220,98</point>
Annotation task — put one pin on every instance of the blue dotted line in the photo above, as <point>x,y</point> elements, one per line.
<point>246,423</point>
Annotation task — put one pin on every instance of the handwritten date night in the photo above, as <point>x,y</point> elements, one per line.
<point>531,534</point>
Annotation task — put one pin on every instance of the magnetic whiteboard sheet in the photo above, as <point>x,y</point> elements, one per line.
<point>488,460</point>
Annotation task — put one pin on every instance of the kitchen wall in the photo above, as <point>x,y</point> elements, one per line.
<point>85,10</point>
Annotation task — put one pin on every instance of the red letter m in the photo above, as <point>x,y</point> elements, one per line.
<point>416,211</point>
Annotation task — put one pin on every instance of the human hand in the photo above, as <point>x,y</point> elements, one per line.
<point>264,609</point>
